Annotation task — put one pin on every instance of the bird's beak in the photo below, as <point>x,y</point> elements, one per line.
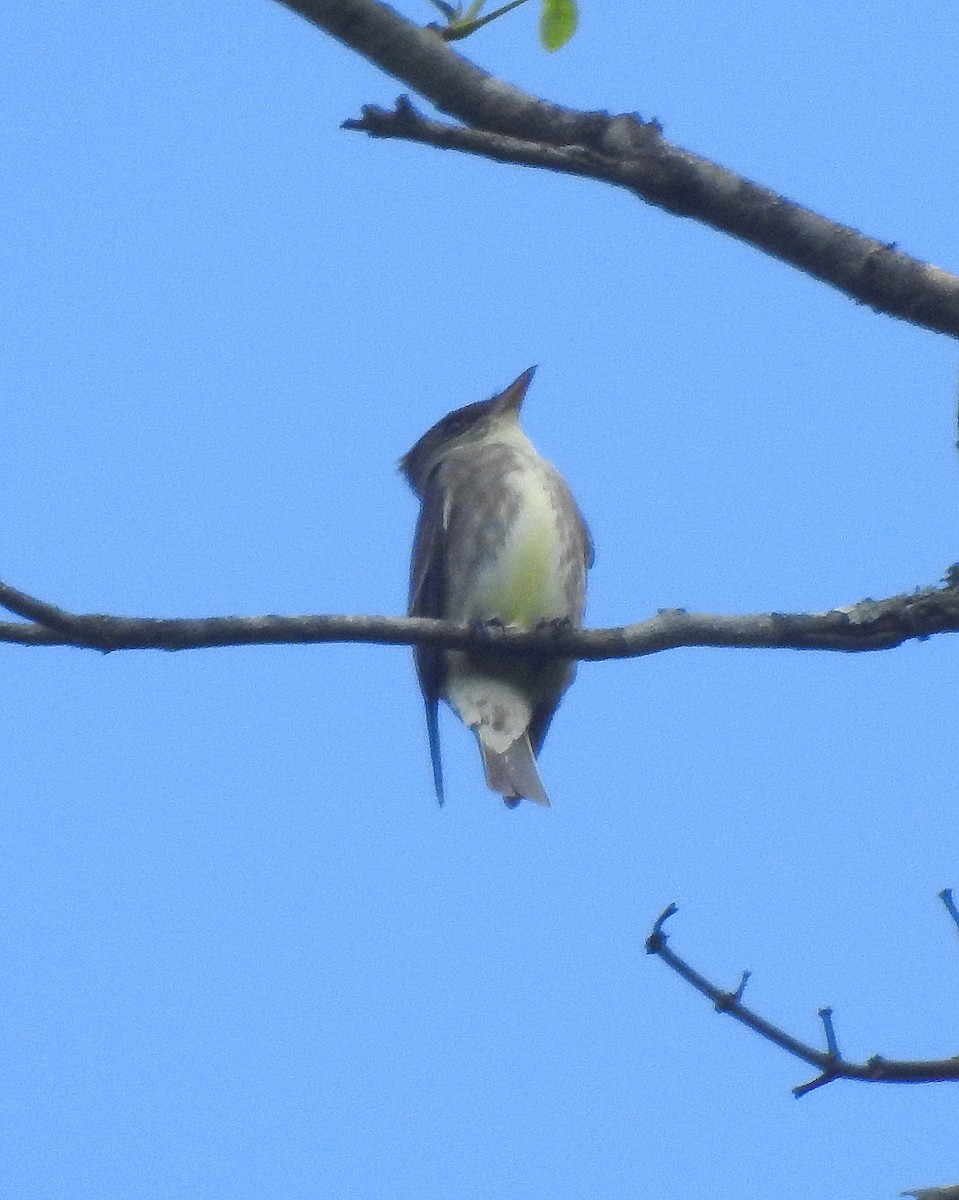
<point>512,398</point>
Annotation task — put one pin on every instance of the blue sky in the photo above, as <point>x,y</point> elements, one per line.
<point>243,953</point>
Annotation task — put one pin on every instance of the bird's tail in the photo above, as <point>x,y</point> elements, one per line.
<point>512,772</point>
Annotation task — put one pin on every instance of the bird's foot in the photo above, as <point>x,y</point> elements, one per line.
<point>490,628</point>
<point>555,625</point>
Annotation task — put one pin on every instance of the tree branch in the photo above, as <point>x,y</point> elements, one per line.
<point>868,625</point>
<point>509,125</point>
<point>829,1062</point>
<point>424,61</point>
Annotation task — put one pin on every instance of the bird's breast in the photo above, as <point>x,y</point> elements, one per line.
<point>523,575</point>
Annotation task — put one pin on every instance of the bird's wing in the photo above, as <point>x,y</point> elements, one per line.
<point>543,713</point>
<point>427,599</point>
<point>589,550</point>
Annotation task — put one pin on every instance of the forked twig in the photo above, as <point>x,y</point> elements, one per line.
<point>829,1062</point>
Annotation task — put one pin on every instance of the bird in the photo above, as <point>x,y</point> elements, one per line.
<point>499,542</point>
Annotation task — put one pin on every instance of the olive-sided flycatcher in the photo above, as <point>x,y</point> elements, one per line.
<point>499,541</point>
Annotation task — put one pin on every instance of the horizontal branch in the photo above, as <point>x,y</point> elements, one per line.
<point>509,125</point>
<point>829,1061</point>
<point>868,625</point>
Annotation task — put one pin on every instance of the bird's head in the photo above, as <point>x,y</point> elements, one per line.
<point>469,424</point>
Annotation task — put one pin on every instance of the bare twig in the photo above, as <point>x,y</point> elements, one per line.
<point>868,625</point>
<point>829,1062</point>
<point>946,897</point>
<point>459,29</point>
<point>509,125</point>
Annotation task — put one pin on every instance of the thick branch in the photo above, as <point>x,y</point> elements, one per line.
<point>868,625</point>
<point>509,125</point>
<point>643,162</point>
<point>829,1061</point>
<point>420,58</point>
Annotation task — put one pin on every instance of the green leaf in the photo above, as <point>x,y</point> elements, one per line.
<point>558,22</point>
